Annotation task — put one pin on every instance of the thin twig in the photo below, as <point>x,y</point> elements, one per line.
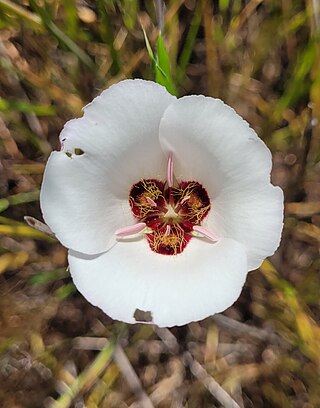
<point>197,370</point>
<point>131,377</point>
<point>89,343</point>
<point>168,339</point>
<point>209,382</point>
<point>225,323</point>
<point>237,328</point>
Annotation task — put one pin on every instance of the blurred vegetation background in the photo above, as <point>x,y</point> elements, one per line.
<point>56,350</point>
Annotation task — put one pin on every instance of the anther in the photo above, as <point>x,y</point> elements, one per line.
<point>151,202</point>
<point>133,229</point>
<point>205,232</point>
<point>170,170</point>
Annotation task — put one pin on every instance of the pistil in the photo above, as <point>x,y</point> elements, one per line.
<point>170,170</point>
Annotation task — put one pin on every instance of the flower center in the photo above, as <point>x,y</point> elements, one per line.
<point>169,213</point>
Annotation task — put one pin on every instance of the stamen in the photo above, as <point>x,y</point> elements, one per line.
<point>186,198</point>
<point>206,233</point>
<point>167,231</point>
<point>133,229</point>
<point>170,170</point>
<point>151,202</point>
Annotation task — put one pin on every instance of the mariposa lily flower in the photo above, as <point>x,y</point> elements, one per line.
<point>165,204</point>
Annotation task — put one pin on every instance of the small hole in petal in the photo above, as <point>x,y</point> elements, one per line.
<point>142,316</point>
<point>78,152</point>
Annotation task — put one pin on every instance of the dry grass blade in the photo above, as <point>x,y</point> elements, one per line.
<point>302,209</point>
<point>304,229</point>
<point>21,12</point>
<point>245,14</point>
<point>38,225</point>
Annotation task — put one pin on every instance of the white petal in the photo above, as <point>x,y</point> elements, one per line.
<point>206,278</point>
<point>253,217</point>
<point>213,145</point>
<point>84,198</point>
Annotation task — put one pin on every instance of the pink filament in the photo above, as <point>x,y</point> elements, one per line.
<point>206,233</point>
<point>133,229</point>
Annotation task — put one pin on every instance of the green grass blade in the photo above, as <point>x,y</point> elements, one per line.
<point>189,44</point>
<point>87,378</point>
<point>224,4</point>
<point>299,84</point>
<point>48,276</point>
<point>163,68</point>
<point>26,107</point>
<point>20,198</point>
<point>149,49</point>
<point>65,291</point>
<point>71,17</point>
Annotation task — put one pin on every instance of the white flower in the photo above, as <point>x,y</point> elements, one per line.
<point>165,204</point>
